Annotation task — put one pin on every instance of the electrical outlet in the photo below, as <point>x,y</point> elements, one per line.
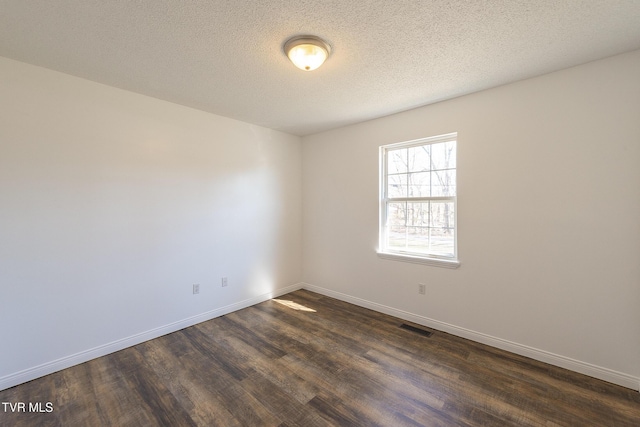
<point>196,288</point>
<point>224,282</point>
<point>422,289</point>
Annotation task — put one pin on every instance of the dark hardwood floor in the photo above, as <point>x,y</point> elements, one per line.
<point>275,364</point>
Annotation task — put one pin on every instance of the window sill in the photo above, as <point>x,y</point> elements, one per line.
<point>436,262</point>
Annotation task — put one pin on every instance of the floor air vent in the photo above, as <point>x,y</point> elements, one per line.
<point>416,330</point>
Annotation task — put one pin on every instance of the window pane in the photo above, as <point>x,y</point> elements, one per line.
<point>418,239</point>
<point>397,161</point>
<point>443,155</point>
<point>397,186</point>
<point>443,183</point>
<point>442,215</point>
<point>419,159</point>
<point>397,238</point>
<point>419,184</point>
<point>396,214</point>
<point>418,214</point>
<point>442,241</point>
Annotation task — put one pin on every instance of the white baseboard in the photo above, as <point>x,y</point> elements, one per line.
<point>84,356</point>
<point>605,374</point>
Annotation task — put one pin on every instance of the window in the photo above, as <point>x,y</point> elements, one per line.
<point>418,201</point>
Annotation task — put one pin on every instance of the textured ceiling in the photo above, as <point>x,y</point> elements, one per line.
<point>225,57</point>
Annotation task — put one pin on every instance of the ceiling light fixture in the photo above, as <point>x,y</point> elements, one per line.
<point>307,52</point>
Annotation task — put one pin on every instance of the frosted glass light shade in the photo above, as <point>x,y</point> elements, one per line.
<point>307,52</point>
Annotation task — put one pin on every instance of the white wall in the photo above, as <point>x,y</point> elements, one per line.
<point>548,214</point>
<point>113,204</point>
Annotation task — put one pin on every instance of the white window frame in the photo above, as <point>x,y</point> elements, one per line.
<point>407,256</point>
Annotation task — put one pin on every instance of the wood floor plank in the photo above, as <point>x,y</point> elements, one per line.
<point>279,402</point>
<point>83,394</point>
<point>150,391</point>
<point>189,384</point>
<point>310,360</point>
<point>274,369</point>
<point>338,414</point>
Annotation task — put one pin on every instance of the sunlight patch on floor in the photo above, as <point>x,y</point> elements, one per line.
<point>294,305</point>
